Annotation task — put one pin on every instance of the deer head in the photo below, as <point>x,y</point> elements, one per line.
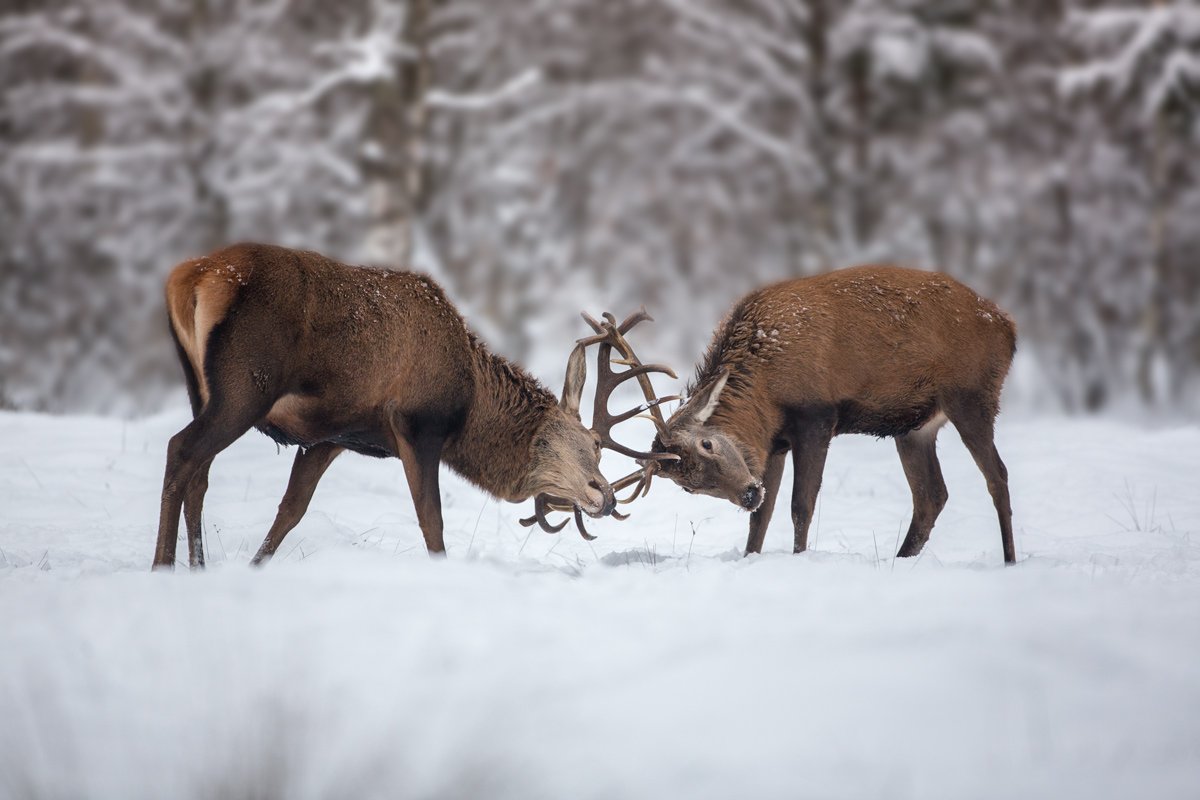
<point>707,461</point>
<point>565,456</point>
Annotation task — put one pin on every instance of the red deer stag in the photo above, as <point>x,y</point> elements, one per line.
<point>332,357</point>
<point>877,350</point>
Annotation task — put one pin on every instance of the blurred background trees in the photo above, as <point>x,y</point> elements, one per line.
<point>540,156</point>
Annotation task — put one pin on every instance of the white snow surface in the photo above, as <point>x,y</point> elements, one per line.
<point>654,662</point>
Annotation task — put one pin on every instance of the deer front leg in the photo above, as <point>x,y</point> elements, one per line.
<point>421,452</point>
<point>423,483</point>
<point>810,444</point>
<point>762,517</point>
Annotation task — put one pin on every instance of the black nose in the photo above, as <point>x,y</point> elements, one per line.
<point>610,505</point>
<point>610,498</point>
<point>752,497</point>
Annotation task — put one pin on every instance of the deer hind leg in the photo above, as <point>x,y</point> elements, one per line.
<point>810,445</point>
<point>974,417</point>
<point>762,517</point>
<point>218,426</point>
<point>193,500</point>
<point>237,400</point>
<point>307,470</point>
<point>918,456</point>
<point>193,505</point>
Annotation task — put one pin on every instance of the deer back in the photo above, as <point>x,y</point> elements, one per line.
<point>330,340</point>
<point>877,344</point>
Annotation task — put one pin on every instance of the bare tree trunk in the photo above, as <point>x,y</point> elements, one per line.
<point>398,125</point>
<point>816,36</point>
<point>414,83</point>
<point>1154,318</point>
<point>211,221</point>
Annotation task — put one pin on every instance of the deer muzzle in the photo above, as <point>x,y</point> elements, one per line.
<point>601,500</point>
<point>752,496</point>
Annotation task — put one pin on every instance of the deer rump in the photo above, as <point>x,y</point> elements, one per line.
<point>325,340</point>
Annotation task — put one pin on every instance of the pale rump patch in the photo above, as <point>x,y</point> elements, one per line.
<point>197,300</point>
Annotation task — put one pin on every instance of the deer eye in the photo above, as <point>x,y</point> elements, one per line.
<point>706,444</point>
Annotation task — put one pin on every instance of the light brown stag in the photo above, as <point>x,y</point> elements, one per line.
<point>331,357</point>
<point>878,350</point>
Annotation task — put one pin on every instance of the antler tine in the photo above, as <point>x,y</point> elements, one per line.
<point>658,423</point>
<point>636,411</point>
<point>641,315</point>
<point>641,477</point>
<point>628,480</point>
<point>579,524</point>
<point>588,341</point>
<point>541,505</point>
<point>638,455</point>
<point>637,317</point>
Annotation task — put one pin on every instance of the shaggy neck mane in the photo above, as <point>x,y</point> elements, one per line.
<point>733,348</point>
<point>739,346</point>
<point>509,405</point>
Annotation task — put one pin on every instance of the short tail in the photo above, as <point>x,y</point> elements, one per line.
<point>181,321</point>
<point>189,372</point>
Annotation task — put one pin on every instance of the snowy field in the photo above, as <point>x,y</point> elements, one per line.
<point>654,662</point>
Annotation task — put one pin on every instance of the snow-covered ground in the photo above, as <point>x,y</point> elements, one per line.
<point>654,662</point>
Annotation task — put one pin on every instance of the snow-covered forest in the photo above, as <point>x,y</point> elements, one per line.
<point>540,155</point>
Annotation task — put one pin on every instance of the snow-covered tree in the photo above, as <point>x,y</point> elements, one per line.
<point>1139,84</point>
<point>142,133</point>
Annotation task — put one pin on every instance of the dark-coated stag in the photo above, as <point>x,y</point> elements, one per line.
<point>878,350</point>
<point>331,358</point>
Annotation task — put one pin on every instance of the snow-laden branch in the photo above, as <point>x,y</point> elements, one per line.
<point>273,105</point>
<point>737,31</point>
<point>785,153</point>
<point>1157,54</point>
<point>484,101</point>
<point>631,98</point>
<point>68,153</point>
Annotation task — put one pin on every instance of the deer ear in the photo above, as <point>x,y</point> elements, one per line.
<point>704,403</point>
<point>576,377</point>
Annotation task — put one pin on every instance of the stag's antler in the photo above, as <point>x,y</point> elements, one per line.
<point>612,335</point>
<point>608,334</point>
<point>541,506</point>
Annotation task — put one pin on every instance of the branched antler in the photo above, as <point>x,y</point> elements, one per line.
<point>610,335</point>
